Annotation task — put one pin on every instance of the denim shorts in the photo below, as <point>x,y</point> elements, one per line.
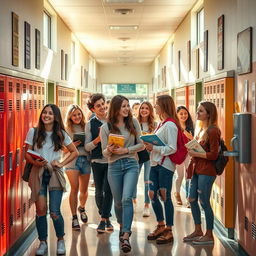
<point>82,165</point>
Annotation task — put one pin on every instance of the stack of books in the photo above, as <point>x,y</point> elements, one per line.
<point>116,139</point>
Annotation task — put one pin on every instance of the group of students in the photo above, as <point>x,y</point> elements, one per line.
<point>116,169</point>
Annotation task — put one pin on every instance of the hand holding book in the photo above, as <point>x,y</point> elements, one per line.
<point>35,155</point>
<point>195,145</point>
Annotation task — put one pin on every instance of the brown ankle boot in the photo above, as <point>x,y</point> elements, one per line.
<point>178,198</point>
<point>156,233</point>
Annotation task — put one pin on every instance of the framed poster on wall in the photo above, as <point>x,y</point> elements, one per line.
<point>205,50</point>
<point>179,66</point>
<point>220,43</point>
<point>15,39</point>
<point>27,45</point>
<point>37,49</point>
<point>189,54</point>
<point>244,51</point>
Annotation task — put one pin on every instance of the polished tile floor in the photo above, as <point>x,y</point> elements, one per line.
<point>88,242</point>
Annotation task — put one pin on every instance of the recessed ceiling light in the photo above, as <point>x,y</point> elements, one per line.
<point>123,1</point>
<point>120,27</point>
<point>123,11</point>
<point>124,38</point>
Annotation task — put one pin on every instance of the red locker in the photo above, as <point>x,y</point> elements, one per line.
<point>10,152</point>
<point>3,197</point>
<point>35,105</point>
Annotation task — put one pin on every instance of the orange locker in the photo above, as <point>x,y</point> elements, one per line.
<point>3,196</point>
<point>181,96</point>
<point>221,93</point>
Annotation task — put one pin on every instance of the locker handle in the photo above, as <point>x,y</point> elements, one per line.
<point>2,166</point>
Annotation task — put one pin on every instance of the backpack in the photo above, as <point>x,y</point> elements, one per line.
<point>221,161</point>
<point>180,155</point>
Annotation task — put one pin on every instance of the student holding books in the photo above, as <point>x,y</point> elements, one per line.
<point>187,126</point>
<point>47,175</point>
<point>123,167</point>
<point>204,172</point>
<point>78,171</point>
<point>103,195</point>
<point>147,122</point>
<point>162,169</point>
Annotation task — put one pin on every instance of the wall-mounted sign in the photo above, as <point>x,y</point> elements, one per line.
<point>27,45</point>
<point>37,49</point>
<point>15,39</point>
<point>126,88</point>
<point>220,43</point>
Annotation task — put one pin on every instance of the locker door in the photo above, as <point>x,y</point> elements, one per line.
<point>191,102</point>
<point>35,103</point>
<point>11,154</point>
<point>3,170</point>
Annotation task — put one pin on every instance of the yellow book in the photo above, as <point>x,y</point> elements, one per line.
<point>116,139</point>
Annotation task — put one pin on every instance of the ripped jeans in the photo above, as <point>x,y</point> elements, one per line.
<point>161,180</point>
<point>200,188</point>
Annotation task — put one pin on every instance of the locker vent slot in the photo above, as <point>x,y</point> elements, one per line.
<point>1,86</point>
<point>17,157</point>
<point>11,220</point>
<point>30,89</point>
<point>1,105</point>
<point>214,89</point>
<point>10,87</point>
<point>2,228</point>
<point>218,88</point>
<point>10,161</point>
<point>39,104</point>
<point>18,105</point>
<point>29,203</point>
<point>10,106</point>
<point>222,201</point>
<point>218,103</point>
<point>2,166</point>
<point>24,88</point>
<point>39,90</point>
<point>222,88</point>
<point>43,103</point>
<point>30,104</point>
<point>35,104</point>
<point>42,90</point>
<point>35,90</point>
<point>18,213</point>
<point>24,208</point>
<point>246,223</point>
<point>24,104</point>
<point>222,103</point>
<point>254,231</point>
<point>18,88</point>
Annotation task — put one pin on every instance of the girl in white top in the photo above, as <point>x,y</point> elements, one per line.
<point>78,171</point>
<point>49,140</point>
<point>161,172</point>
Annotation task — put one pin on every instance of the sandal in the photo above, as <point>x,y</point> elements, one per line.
<point>156,233</point>
<point>166,237</point>
<point>125,246</point>
<point>192,237</point>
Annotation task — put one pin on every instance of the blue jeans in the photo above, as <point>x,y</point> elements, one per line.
<point>200,188</point>
<point>146,180</point>
<point>123,177</point>
<point>55,197</point>
<point>161,179</point>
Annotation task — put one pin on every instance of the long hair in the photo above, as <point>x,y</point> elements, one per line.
<point>189,122</point>
<point>151,118</point>
<point>68,121</point>
<point>57,135</point>
<point>114,109</point>
<point>167,106</point>
<point>211,110</point>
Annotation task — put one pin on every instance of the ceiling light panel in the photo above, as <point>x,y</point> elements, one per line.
<point>120,27</point>
<point>123,1</point>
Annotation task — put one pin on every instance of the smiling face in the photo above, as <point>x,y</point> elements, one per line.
<point>47,116</point>
<point>99,108</point>
<point>76,116</point>
<point>125,108</point>
<point>202,114</point>
<point>144,110</point>
<point>182,115</point>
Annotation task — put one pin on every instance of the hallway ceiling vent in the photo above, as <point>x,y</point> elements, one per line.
<point>123,1</point>
<point>123,11</point>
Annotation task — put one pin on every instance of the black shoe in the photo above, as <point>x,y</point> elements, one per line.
<point>125,246</point>
<point>83,214</point>
<point>101,227</point>
<point>109,226</point>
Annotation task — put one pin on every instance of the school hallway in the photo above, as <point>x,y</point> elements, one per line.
<point>89,243</point>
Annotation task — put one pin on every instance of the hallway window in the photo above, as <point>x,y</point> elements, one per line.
<point>47,30</point>
<point>200,26</point>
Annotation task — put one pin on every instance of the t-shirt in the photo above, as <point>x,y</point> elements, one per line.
<point>47,150</point>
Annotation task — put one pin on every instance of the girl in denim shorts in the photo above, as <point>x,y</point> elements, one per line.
<point>78,171</point>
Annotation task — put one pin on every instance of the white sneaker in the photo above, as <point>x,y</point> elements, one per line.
<point>61,247</point>
<point>42,249</point>
<point>146,212</point>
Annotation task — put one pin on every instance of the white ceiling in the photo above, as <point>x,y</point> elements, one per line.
<point>90,20</point>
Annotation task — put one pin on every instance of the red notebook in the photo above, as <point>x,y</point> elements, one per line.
<point>35,155</point>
